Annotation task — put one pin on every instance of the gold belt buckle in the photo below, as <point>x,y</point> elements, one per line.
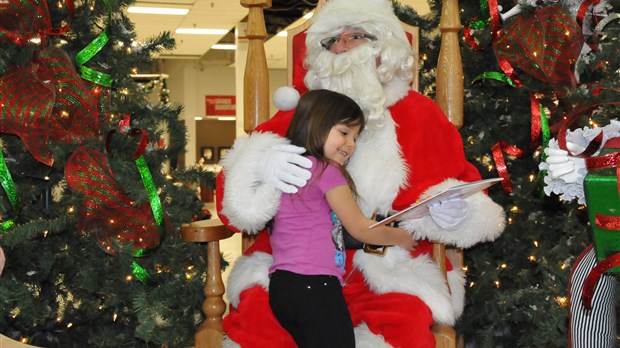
<point>375,249</point>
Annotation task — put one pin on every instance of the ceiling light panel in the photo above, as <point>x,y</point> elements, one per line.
<point>158,10</point>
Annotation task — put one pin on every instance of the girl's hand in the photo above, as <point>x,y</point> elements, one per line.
<point>406,240</point>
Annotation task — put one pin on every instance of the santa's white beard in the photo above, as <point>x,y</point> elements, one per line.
<point>352,73</point>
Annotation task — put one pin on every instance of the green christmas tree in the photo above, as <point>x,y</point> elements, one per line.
<point>518,284</point>
<point>91,202</point>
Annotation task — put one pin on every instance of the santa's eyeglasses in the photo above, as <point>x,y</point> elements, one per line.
<point>353,39</point>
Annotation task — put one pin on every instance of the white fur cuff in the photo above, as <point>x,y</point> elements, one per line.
<point>486,220</point>
<point>248,202</point>
<point>247,272</point>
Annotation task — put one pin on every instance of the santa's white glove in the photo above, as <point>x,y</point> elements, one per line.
<point>450,213</point>
<point>285,168</point>
<point>563,166</point>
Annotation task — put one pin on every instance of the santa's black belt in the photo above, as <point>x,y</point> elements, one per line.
<point>352,243</point>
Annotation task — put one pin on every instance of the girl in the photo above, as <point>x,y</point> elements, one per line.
<point>305,289</point>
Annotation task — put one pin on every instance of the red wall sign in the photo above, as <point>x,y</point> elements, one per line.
<point>220,105</point>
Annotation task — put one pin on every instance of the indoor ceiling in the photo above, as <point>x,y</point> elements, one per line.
<point>223,15</point>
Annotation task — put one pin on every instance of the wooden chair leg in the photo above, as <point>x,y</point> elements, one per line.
<point>210,334</point>
<point>209,232</point>
<point>445,336</point>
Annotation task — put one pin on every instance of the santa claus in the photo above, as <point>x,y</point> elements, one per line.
<point>409,150</point>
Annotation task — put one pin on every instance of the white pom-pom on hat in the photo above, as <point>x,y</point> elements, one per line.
<point>286,98</point>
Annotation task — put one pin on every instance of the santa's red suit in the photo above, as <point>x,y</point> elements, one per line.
<point>408,152</point>
<point>397,296</point>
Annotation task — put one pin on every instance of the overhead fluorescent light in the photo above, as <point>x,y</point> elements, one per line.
<point>198,118</point>
<point>283,33</point>
<point>158,10</point>
<point>201,31</point>
<point>224,47</point>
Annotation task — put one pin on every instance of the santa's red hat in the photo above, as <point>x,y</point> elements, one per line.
<point>374,16</point>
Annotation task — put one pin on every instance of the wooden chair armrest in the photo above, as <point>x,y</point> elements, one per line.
<point>205,231</point>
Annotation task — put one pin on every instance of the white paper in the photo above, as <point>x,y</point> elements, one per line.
<point>420,209</point>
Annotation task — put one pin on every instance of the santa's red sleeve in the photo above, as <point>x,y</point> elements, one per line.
<point>433,150</point>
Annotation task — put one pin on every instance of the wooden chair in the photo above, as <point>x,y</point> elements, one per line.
<point>256,110</point>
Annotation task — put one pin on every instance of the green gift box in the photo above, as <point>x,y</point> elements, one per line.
<point>601,192</point>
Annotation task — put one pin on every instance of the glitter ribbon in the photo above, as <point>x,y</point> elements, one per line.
<point>149,185</point>
<point>44,102</point>
<point>610,160</point>
<point>9,188</point>
<point>544,45</point>
<point>612,98</point>
<point>107,211</point>
<point>539,125</point>
<point>25,21</point>
<point>89,52</point>
<point>140,272</point>
<point>467,29</point>
<point>494,75</point>
<point>145,174</point>
<point>587,293</point>
<point>509,71</point>
<point>494,19</point>
<point>86,54</point>
<point>583,8</point>
<point>154,201</point>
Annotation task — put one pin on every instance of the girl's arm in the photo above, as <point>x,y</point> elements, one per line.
<point>341,201</point>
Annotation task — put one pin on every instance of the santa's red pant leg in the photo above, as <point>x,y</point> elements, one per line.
<point>403,320</point>
<point>253,325</point>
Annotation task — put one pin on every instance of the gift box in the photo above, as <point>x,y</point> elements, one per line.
<point>601,192</point>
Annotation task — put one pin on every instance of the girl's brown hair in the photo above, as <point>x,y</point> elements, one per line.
<point>317,112</point>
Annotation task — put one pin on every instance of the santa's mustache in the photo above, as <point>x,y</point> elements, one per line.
<point>353,73</point>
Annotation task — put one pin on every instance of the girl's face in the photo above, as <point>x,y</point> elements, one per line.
<point>340,143</point>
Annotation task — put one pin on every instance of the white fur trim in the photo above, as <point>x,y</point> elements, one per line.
<point>249,203</point>
<point>395,90</point>
<point>364,338</point>
<point>456,281</point>
<point>485,222</point>
<point>337,14</point>
<point>247,272</point>
<point>377,168</point>
<point>418,276</point>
